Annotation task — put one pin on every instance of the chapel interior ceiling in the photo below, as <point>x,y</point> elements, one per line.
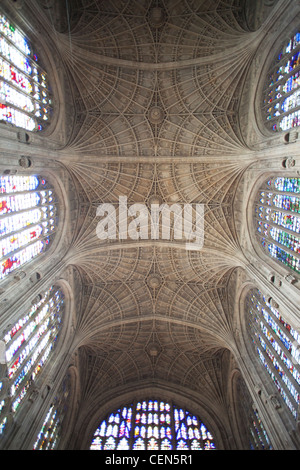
<point>157,88</point>
<point>166,89</point>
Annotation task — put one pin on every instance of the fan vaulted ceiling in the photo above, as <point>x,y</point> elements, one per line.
<point>157,88</point>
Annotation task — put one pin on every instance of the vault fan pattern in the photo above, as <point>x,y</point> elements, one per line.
<point>156,84</point>
<point>154,116</point>
<point>154,103</point>
<point>157,78</point>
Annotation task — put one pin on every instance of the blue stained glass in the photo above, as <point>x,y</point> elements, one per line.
<point>122,429</point>
<point>289,203</point>
<point>143,431</point>
<point>2,425</point>
<point>25,100</point>
<point>282,81</point>
<point>284,257</point>
<point>152,444</point>
<point>283,226</point>
<point>27,219</point>
<point>182,445</point>
<point>139,444</point>
<point>287,184</point>
<point>13,183</point>
<point>154,434</point>
<point>30,341</point>
<point>110,444</point>
<point>97,443</point>
<point>276,347</point>
<point>123,444</point>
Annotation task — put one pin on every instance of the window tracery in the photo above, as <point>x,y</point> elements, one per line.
<point>152,425</point>
<point>282,96</point>
<point>277,346</point>
<point>29,344</point>
<point>50,433</point>
<point>277,220</point>
<point>25,99</point>
<point>27,220</point>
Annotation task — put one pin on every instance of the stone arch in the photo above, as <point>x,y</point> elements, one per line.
<point>42,43</point>
<point>279,35</point>
<point>270,262</point>
<point>265,394</point>
<point>159,391</point>
<point>51,309</point>
<point>36,267</point>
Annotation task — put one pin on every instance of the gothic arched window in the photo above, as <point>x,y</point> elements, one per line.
<point>277,220</point>
<point>277,345</point>
<point>282,96</point>
<point>24,95</point>
<point>29,344</point>
<point>152,425</point>
<point>27,219</point>
<point>50,433</point>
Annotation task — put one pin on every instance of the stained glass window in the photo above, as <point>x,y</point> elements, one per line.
<point>3,419</point>
<point>277,346</point>
<point>277,218</point>
<point>27,220</point>
<point>152,425</point>
<point>29,344</point>
<point>282,96</point>
<point>251,426</point>
<point>259,436</point>
<point>49,435</point>
<point>25,99</point>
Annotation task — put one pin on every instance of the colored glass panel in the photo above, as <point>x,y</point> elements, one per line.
<point>287,185</point>
<point>152,425</point>
<point>282,96</point>
<point>27,219</point>
<point>277,345</point>
<point>47,436</point>
<point>24,96</point>
<point>30,342</point>
<point>278,223</point>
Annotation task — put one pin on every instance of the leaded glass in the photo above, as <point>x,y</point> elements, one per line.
<point>27,220</point>
<point>260,439</point>
<point>30,342</point>
<point>2,425</point>
<point>49,435</point>
<point>277,345</point>
<point>25,99</point>
<point>277,220</point>
<point>282,95</point>
<point>152,425</point>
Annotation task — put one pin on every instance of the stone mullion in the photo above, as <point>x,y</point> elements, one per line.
<point>262,431</point>
<point>279,209</point>
<point>29,209</point>
<point>271,365</point>
<point>271,240</point>
<point>285,351</point>
<point>285,331</point>
<point>20,332</point>
<point>281,82</point>
<point>172,425</point>
<point>254,438</point>
<point>29,372</point>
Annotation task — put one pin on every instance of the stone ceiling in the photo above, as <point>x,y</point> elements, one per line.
<point>157,88</point>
